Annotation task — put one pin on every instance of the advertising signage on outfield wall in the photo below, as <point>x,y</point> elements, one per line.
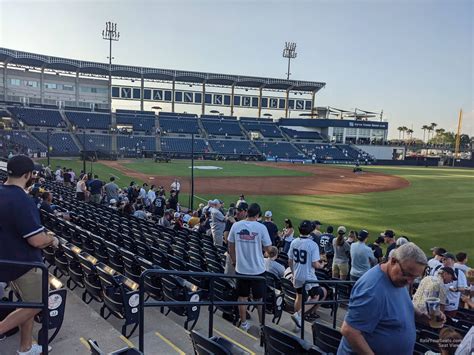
<point>332,123</point>
<point>213,99</point>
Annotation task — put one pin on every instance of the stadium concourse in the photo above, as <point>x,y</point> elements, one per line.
<point>138,242</point>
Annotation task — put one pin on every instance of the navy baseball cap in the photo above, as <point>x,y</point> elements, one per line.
<point>450,271</point>
<point>363,234</point>
<point>243,206</point>
<point>19,165</point>
<point>305,227</point>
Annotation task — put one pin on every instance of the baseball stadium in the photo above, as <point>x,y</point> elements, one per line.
<point>131,274</point>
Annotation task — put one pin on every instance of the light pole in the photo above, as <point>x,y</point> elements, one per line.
<point>192,173</point>
<point>47,143</point>
<point>289,52</point>
<point>110,34</point>
<point>84,150</point>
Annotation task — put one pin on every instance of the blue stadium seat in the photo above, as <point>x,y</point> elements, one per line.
<point>179,125</point>
<point>233,147</point>
<point>23,139</point>
<point>91,120</point>
<point>126,143</point>
<point>221,127</point>
<point>323,151</point>
<point>100,142</point>
<point>183,145</point>
<point>60,142</point>
<point>267,129</point>
<point>38,116</point>
<point>294,134</point>
<point>282,150</point>
<point>140,122</point>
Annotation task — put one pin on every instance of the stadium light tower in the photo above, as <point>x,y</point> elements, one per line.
<point>289,52</point>
<point>110,34</point>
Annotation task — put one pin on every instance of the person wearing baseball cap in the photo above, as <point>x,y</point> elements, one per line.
<point>389,239</point>
<point>436,262</point>
<point>21,239</point>
<point>303,259</point>
<point>271,227</point>
<point>434,286</point>
<point>240,213</point>
<point>455,287</point>
<point>362,257</point>
<point>340,263</point>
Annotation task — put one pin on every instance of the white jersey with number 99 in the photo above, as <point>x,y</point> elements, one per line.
<point>303,251</point>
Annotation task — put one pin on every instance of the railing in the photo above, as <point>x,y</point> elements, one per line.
<point>334,302</point>
<point>211,303</point>
<point>43,335</point>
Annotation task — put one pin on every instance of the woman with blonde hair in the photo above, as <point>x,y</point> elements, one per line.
<point>81,188</point>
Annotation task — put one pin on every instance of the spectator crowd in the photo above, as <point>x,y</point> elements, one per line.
<point>392,278</point>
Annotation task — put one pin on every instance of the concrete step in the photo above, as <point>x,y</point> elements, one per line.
<point>80,323</point>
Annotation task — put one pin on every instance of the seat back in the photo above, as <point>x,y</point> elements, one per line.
<point>289,293</point>
<point>206,346</point>
<point>326,338</point>
<point>281,343</point>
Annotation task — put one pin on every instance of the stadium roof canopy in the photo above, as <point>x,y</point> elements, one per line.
<point>20,58</point>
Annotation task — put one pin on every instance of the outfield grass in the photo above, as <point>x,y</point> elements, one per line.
<point>183,168</point>
<point>104,172</point>
<point>437,209</point>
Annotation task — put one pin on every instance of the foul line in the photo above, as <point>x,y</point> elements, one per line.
<point>200,198</point>
<point>235,342</point>
<point>167,341</point>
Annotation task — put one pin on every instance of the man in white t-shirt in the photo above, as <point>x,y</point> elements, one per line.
<point>246,240</point>
<point>455,287</point>
<point>435,263</point>
<point>303,259</point>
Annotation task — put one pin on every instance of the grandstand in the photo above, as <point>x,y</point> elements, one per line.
<point>135,144</point>
<point>232,147</point>
<point>266,129</point>
<point>89,120</point>
<point>280,150</point>
<point>222,127</point>
<point>141,121</point>
<point>37,117</point>
<point>183,145</point>
<point>178,125</point>
<point>62,144</point>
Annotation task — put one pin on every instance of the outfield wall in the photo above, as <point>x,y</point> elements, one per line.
<point>382,152</point>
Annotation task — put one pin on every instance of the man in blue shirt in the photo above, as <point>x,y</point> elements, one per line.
<point>21,239</point>
<point>95,187</point>
<point>381,316</point>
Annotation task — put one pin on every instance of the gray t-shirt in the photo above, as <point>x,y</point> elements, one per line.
<point>111,190</point>
<point>341,252</point>
<point>217,222</point>
<point>274,267</point>
<point>249,237</point>
<point>361,256</point>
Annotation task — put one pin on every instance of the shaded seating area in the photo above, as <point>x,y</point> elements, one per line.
<point>89,120</point>
<point>37,116</point>
<point>61,143</point>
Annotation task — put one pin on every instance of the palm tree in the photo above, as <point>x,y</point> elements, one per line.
<point>440,131</point>
<point>429,129</point>
<point>404,129</point>
<point>433,126</point>
<point>424,128</point>
<point>410,133</point>
<point>400,129</point>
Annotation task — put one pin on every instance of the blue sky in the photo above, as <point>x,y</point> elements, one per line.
<point>413,59</point>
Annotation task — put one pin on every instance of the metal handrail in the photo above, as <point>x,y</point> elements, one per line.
<point>43,336</point>
<point>211,303</point>
<point>334,302</point>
